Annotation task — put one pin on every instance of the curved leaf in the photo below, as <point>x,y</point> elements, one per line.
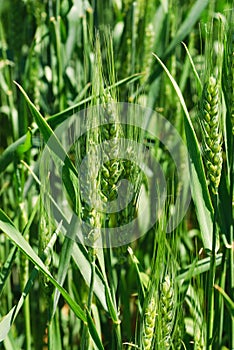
<point>15,236</point>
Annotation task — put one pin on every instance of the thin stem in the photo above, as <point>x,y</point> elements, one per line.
<point>211,279</point>
<point>117,327</point>
<point>85,335</point>
<point>219,305</point>
<point>118,336</point>
<point>23,219</point>
<point>90,297</point>
<point>27,316</point>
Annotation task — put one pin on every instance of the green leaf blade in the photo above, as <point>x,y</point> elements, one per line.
<point>8,227</point>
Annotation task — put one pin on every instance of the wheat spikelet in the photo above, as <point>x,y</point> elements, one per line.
<point>102,185</point>
<point>149,324</point>
<point>212,137</point>
<point>112,169</point>
<point>166,312</point>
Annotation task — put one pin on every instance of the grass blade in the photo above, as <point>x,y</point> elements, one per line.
<point>199,267</point>
<point>64,262</point>
<point>5,324</point>
<point>15,236</point>
<point>93,331</point>
<point>193,67</point>
<point>228,301</point>
<point>69,170</point>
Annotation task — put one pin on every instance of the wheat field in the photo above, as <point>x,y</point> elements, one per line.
<point>116,174</point>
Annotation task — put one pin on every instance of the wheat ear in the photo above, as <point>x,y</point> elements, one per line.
<point>149,324</point>
<point>212,136</point>
<point>166,312</point>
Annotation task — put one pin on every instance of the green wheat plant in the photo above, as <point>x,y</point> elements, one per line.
<point>87,60</point>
